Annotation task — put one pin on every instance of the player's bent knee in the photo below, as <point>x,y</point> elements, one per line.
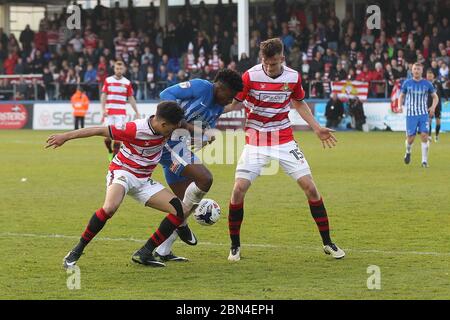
<point>110,210</point>
<point>204,181</point>
<point>312,193</point>
<point>179,208</point>
<point>309,188</point>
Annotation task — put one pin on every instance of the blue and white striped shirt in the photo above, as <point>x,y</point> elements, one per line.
<point>196,97</point>
<point>416,96</point>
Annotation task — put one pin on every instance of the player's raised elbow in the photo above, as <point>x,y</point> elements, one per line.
<point>166,95</point>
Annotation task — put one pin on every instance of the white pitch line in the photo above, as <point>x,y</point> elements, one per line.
<point>62,236</point>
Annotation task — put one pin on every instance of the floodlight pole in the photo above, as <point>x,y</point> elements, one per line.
<point>341,8</point>
<point>243,36</point>
<point>5,17</point>
<point>163,10</point>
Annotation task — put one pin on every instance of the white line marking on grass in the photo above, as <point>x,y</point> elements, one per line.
<point>62,236</point>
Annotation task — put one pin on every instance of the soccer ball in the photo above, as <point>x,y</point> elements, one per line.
<point>207,212</point>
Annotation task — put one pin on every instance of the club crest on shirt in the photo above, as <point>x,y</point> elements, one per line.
<point>185,85</point>
<point>286,86</point>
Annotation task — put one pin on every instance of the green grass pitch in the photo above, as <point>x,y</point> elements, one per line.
<point>381,211</point>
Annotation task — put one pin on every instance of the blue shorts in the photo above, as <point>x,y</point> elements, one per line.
<point>417,124</point>
<point>175,159</point>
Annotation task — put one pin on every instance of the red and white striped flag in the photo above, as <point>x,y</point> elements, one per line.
<point>350,89</point>
<point>394,97</point>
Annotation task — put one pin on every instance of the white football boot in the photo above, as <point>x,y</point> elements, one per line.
<point>334,251</point>
<point>235,254</point>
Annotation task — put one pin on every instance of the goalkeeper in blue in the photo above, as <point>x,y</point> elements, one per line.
<point>414,96</point>
<point>203,102</point>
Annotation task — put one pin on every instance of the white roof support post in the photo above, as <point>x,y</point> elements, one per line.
<point>243,33</point>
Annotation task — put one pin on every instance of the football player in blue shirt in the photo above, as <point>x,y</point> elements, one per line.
<point>203,102</point>
<point>414,96</point>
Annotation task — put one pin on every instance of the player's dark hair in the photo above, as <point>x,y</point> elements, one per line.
<point>231,79</point>
<point>271,47</point>
<point>170,111</point>
<point>418,64</point>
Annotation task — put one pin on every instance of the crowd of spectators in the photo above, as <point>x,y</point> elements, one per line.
<point>199,40</point>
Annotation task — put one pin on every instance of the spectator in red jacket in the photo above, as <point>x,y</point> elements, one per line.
<point>364,75</point>
<point>90,39</point>
<point>377,87</point>
<point>41,41</point>
<point>10,63</point>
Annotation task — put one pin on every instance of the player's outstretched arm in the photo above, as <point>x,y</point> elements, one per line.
<point>324,134</point>
<point>57,140</point>
<point>432,109</point>
<point>133,104</point>
<point>103,104</point>
<point>401,97</point>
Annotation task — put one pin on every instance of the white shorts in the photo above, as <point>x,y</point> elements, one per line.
<point>140,189</point>
<point>255,159</point>
<point>117,120</point>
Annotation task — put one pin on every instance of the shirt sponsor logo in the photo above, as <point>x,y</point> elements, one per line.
<point>273,97</point>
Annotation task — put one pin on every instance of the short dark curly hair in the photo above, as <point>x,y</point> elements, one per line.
<point>170,111</point>
<point>231,79</point>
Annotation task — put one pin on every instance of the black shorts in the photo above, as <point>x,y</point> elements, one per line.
<point>437,113</point>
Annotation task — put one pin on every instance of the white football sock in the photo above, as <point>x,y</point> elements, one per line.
<point>165,247</point>
<point>192,195</point>
<point>425,146</point>
<point>408,146</point>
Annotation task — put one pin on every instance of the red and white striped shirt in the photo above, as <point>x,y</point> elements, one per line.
<point>214,63</point>
<point>117,92</point>
<point>141,149</point>
<point>267,104</point>
<point>120,46</point>
<point>131,44</point>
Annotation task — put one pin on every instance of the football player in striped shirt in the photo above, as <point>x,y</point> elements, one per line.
<point>116,91</point>
<point>414,97</point>
<point>203,102</point>
<point>130,173</point>
<point>270,89</point>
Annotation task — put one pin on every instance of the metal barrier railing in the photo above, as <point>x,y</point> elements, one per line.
<point>18,88</point>
<point>32,87</point>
